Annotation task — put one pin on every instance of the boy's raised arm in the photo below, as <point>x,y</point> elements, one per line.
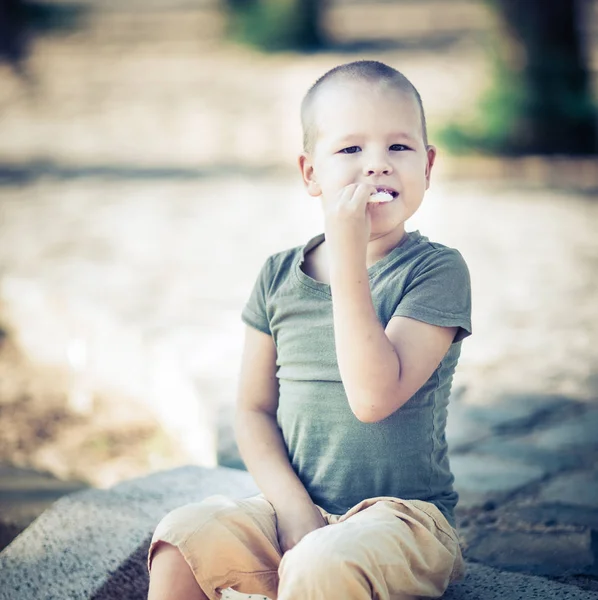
<point>380,368</point>
<point>261,444</point>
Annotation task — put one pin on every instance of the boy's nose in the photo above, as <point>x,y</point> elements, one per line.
<point>379,171</point>
<point>378,167</point>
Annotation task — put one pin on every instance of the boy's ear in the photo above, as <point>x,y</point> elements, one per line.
<point>307,172</point>
<point>431,153</point>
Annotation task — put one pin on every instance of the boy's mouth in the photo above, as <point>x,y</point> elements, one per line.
<point>383,194</point>
<point>387,190</point>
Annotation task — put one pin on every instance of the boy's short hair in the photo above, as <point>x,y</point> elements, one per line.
<point>370,71</point>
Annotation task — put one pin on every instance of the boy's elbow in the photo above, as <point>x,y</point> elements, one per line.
<point>374,413</point>
<point>368,416</point>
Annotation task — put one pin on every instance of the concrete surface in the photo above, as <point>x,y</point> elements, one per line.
<point>92,545</point>
<point>24,495</point>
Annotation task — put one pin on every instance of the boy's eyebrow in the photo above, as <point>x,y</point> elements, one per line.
<point>402,134</point>
<point>394,135</point>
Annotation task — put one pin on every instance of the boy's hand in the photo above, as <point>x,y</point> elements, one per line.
<point>347,220</point>
<point>294,523</point>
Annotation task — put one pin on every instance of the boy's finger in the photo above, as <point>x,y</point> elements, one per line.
<point>348,192</point>
<point>346,195</point>
<point>362,194</point>
<point>342,197</point>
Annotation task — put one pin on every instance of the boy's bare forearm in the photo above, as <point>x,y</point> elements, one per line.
<point>265,455</point>
<point>369,365</point>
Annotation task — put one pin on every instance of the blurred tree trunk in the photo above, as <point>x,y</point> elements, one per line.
<point>277,24</point>
<point>13,47</point>
<point>542,48</point>
<point>22,20</point>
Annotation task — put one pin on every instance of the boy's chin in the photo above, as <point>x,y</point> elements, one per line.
<point>381,228</point>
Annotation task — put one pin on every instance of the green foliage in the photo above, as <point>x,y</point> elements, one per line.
<point>272,24</point>
<point>43,17</point>
<point>509,116</point>
<point>540,100</point>
<point>21,20</point>
<point>493,125</point>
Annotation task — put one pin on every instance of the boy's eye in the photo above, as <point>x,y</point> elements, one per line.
<point>399,147</point>
<point>350,150</point>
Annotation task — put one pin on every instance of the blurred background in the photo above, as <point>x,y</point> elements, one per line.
<point>148,168</point>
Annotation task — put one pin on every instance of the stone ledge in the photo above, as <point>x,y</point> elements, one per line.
<point>92,545</point>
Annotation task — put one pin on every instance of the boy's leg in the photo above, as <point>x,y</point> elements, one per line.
<point>224,542</point>
<point>171,576</point>
<point>383,548</point>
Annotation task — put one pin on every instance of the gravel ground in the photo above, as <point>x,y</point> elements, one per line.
<point>180,257</point>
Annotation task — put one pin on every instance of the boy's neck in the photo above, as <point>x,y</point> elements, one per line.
<point>317,258</point>
<point>379,247</point>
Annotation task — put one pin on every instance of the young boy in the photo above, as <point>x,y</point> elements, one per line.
<point>351,344</point>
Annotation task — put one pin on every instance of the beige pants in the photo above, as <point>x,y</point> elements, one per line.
<point>382,548</point>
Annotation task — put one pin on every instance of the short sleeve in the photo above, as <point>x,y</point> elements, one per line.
<point>439,293</point>
<point>255,310</point>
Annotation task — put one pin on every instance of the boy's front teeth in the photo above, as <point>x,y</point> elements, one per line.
<point>380,197</point>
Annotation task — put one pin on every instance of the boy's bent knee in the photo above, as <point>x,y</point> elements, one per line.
<point>185,521</point>
<point>223,541</point>
<point>181,524</point>
<point>196,514</point>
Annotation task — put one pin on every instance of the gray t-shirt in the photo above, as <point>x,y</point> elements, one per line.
<point>339,459</point>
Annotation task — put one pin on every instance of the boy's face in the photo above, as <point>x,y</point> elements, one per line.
<point>369,134</point>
